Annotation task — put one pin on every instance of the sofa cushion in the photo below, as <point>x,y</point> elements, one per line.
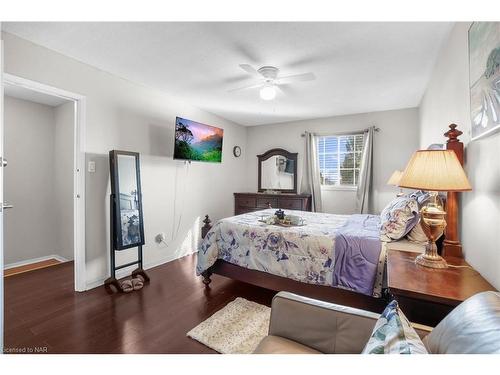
<point>472,327</point>
<point>323,326</point>
<point>279,345</point>
<point>393,334</point>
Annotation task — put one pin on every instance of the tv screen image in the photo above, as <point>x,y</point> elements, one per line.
<point>195,141</point>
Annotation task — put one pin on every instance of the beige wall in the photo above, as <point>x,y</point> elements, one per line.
<point>447,101</point>
<point>393,146</point>
<point>32,228</point>
<point>127,116</point>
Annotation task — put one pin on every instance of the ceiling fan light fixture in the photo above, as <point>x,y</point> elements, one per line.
<point>268,92</point>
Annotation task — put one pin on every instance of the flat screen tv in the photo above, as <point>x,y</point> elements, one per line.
<point>195,141</point>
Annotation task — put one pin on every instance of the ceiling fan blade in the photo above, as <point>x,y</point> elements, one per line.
<point>286,89</point>
<point>280,89</point>
<point>296,78</point>
<point>250,69</point>
<point>246,87</point>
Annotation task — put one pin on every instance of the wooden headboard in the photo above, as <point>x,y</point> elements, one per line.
<point>451,243</point>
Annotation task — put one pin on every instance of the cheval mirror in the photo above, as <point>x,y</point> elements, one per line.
<point>126,217</point>
<point>126,188</point>
<point>278,171</point>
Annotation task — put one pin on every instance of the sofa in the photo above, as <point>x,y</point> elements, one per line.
<point>301,325</point>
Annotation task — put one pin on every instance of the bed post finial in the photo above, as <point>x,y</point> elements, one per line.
<point>453,133</point>
<point>451,243</point>
<point>206,228</point>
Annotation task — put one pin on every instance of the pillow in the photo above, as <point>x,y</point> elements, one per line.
<point>417,235</point>
<point>398,218</point>
<point>393,334</point>
<point>420,196</point>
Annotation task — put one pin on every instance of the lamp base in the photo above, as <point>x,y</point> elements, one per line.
<point>433,224</point>
<point>431,261</point>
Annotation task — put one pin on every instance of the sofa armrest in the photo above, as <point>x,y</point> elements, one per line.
<point>326,327</point>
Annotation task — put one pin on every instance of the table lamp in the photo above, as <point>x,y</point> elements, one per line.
<point>394,181</point>
<point>434,171</point>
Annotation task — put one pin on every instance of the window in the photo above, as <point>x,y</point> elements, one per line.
<point>340,159</point>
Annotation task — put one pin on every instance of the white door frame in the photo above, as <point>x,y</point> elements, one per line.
<point>1,197</point>
<point>78,170</point>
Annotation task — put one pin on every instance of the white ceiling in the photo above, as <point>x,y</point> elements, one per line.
<point>360,67</point>
<point>33,96</point>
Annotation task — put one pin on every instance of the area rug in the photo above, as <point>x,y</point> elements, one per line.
<point>237,328</point>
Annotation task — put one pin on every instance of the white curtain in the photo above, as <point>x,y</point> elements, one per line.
<point>311,182</point>
<point>364,192</point>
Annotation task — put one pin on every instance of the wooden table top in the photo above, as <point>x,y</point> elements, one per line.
<point>447,286</point>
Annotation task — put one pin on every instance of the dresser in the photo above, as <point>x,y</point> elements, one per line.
<point>249,202</point>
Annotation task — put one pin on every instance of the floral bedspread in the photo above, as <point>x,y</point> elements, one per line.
<point>304,253</point>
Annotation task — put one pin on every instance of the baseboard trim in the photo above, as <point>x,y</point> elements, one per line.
<point>35,260</point>
<point>126,272</point>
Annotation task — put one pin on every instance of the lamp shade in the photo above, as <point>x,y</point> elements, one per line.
<point>395,177</point>
<point>435,170</point>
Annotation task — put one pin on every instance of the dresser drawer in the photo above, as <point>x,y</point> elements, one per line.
<point>244,210</point>
<point>245,202</point>
<point>249,202</point>
<point>290,203</point>
<point>265,202</point>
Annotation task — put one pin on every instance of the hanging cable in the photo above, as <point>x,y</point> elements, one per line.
<point>176,228</point>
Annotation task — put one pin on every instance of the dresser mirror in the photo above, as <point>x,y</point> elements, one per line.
<point>278,171</point>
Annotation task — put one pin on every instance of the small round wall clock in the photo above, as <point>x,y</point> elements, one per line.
<point>237,151</point>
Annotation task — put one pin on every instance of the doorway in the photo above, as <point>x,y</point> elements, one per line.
<point>44,206</point>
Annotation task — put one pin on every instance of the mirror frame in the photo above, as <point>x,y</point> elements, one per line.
<point>115,196</point>
<point>289,155</point>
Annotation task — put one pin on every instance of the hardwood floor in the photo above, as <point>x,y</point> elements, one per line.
<point>30,267</point>
<point>43,311</point>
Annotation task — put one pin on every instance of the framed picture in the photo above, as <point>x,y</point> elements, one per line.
<point>128,226</point>
<point>484,78</point>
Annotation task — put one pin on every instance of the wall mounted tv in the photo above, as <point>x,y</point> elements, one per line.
<point>195,141</point>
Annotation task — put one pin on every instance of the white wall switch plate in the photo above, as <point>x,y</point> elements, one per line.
<point>91,167</point>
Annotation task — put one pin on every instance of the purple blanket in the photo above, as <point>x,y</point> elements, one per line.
<point>357,252</point>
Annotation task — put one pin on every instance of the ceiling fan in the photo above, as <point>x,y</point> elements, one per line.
<point>270,81</point>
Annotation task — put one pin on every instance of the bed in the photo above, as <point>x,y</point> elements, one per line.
<point>337,258</point>
<point>341,253</point>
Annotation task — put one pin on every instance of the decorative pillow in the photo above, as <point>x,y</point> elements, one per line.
<point>393,334</point>
<point>398,218</point>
